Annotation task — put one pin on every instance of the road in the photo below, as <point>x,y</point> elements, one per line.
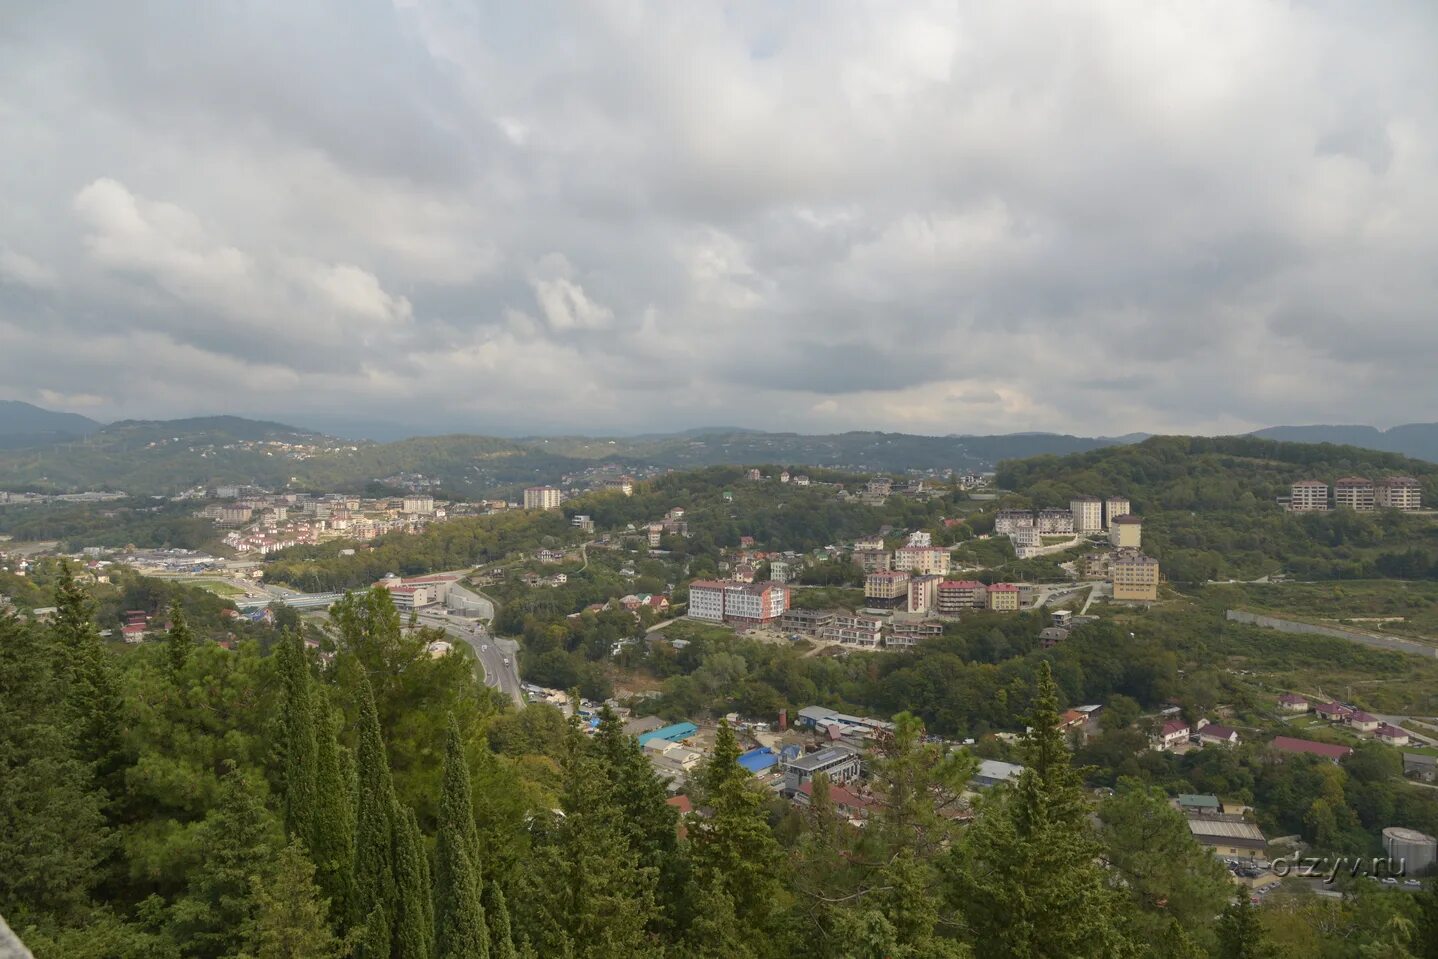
<point>491,652</point>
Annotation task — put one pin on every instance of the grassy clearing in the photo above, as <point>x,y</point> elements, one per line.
<point>218,587</point>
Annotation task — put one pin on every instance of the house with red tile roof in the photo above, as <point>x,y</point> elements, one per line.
<point>1392,735</point>
<point>1172,733</point>
<point>1292,703</point>
<point>1363,722</point>
<point>1332,712</point>
<point>1307,747</point>
<point>1214,734</point>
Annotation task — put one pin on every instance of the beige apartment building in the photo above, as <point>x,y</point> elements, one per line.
<point>1398,492</point>
<point>1308,496</point>
<point>886,589</point>
<point>1004,597</point>
<point>873,560</point>
<point>1114,507</point>
<point>922,559</point>
<point>1125,532</point>
<point>1134,577</point>
<point>1353,492</point>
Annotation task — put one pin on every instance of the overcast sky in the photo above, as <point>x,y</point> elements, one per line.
<point>612,216</point>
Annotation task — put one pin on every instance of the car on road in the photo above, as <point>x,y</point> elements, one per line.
<point>1412,882</point>
<point>506,660</point>
<point>484,647</point>
<point>1389,881</point>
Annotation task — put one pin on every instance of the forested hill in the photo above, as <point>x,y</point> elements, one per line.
<point>1210,506</point>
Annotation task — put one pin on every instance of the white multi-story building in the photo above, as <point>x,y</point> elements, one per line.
<point>854,630</point>
<point>1399,492</point>
<point>779,571</point>
<point>921,538</point>
<point>1308,496</point>
<point>1054,521</point>
<point>419,505</point>
<point>1115,506</point>
<point>745,604</point>
<point>1354,492</point>
<point>1087,512</point>
<point>542,497</point>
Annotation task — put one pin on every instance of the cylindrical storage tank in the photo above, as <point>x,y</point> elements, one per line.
<point>1417,850</point>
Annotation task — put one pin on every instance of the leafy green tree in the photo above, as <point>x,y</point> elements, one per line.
<point>239,842</point>
<point>291,919</point>
<point>1026,876</point>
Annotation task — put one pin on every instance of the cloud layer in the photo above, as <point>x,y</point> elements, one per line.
<point>617,215</point>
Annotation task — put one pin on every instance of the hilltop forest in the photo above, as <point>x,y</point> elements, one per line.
<point>1210,507</point>
<point>356,797</point>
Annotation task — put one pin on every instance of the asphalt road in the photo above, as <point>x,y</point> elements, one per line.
<point>488,650</point>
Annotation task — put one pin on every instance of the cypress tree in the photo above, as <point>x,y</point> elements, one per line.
<point>501,934</point>
<point>374,939</point>
<point>374,873</point>
<point>414,914</point>
<point>297,723</point>
<point>332,828</point>
<point>178,640</point>
<point>459,913</point>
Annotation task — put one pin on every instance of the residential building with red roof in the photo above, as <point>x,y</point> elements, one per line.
<point>955,595</point>
<point>1363,722</point>
<point>1214,734</point>
<point>1292,703</point>
<point>1392,735</point>
<point>1333,712</point>
<point>1172,733</point>
<point>1307,747</point>
<point>1004,597</point>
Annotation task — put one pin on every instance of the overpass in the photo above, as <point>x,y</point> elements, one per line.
<point>294,601</point>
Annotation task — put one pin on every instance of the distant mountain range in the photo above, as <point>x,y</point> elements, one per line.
<point>22,425</point>
<point>41,449</point>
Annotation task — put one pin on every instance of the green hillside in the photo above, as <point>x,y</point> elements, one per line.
<point>1210,506</point>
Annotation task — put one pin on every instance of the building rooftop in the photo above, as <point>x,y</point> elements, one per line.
<point>1287,744</point>
<point>821,758</point>
<point>1127,519</point>
<point>1230,831</point>
<point>1198,800</point>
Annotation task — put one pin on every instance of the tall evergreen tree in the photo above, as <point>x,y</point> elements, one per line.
<point>291,918</point>
<point>331,838</point>
<point>1026,877</point>
<point>178,640</point>
<point>298,731</point>
<point>460,928</point>
<point>93,689</point>
<point>733,852</point>
<point>238,842</point>
<point>1240,933</point>
<point>374,936</point>
<point>374,872</point>
<point>52,829</point>
<point>414,918</point>
<point>501,934</point>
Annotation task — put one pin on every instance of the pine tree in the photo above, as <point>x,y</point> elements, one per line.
<point>290,916</point>
<point>374,872</point>
<point>733,851</point>
<point>1426,932</point>
<point>1241,935</point>
<point>414,918</point>
<point>52,828</point>
<point>93,689</point>
<point>460,929</point>
<point>1026,877</point>
<point>178,641</point>
<point>238,842</point>
<point>298,729</point>
<point>331,840</point>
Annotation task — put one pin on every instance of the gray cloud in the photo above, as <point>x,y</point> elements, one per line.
<point>1092,218</point>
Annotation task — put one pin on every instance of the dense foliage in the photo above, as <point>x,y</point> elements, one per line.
<point>1210,507</point>
<point>364,799</point>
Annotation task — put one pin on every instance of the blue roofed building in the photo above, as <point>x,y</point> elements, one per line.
<point>674,734</point>
<point>759,760</point>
